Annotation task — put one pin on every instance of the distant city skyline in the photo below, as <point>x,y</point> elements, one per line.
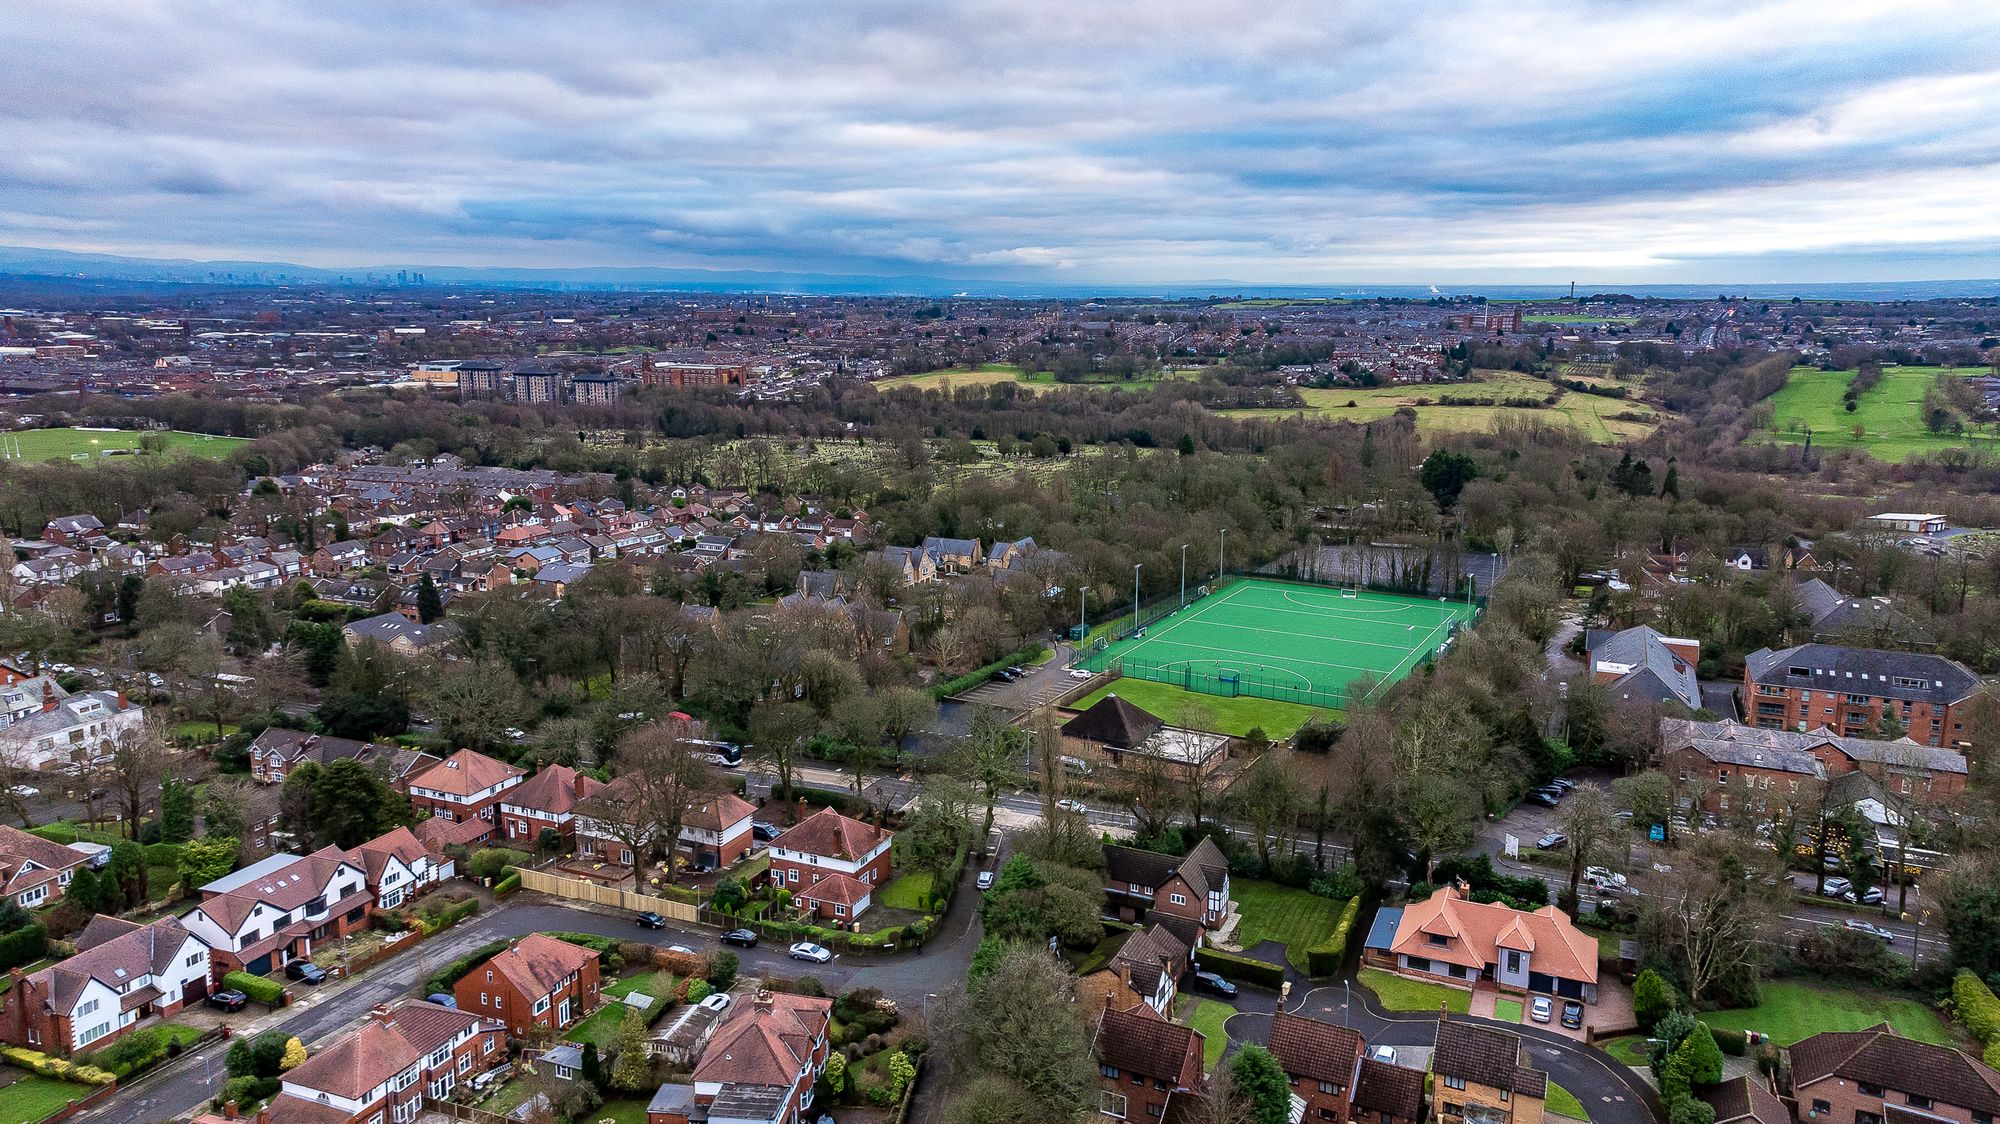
<point>1023,142</point>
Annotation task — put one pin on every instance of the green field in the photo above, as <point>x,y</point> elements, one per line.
<point>1297,919</point>
<point>1791,1011</point>
<point>1289,642</point>
<point>1890,414</point>
<point>986,374</point>
<point>1399,994</point>
<point>93,444</point>
<point>1211,713</point>
<point>1594,416</point>
<point>33,1097</point>
<point>1210,1016</point>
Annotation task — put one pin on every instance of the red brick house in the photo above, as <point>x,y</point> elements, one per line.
<point>544,802</point>
<point>1143,1062</point>
<point>832,863</point>
<point>463,787</point>
<point>122,974</point>
<point>277,751</point>
<point>1194,887</point>
<point>34,871</point>
<point>1330,1074</point>
<point>1851,690</point>
<point>717,830</point>
<point>1875,1075</point>
<point>538,982</point>
<point>1738,768</point>
<point>392,1066</point>
<point>759,1066</point>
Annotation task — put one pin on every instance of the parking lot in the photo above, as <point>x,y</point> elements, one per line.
<point>1040,687</point>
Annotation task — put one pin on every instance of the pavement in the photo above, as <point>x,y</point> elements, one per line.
<point>913,980</point>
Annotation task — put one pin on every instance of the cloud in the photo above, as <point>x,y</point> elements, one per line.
<point>1282,141</point>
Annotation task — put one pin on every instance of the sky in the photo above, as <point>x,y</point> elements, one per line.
<point>1072,141</point>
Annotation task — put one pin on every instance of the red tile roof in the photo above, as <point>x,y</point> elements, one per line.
<point>464,773</point>
<point>836,889</point>
<point>719,813</point>
<point>537,965</point>
<point>829,834</point>
<point>1474,933</point>
<point>554,789</point>
<point>765,1041</point>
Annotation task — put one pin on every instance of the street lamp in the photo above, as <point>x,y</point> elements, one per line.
<point>1135,595</point>
<point>1184,547</point>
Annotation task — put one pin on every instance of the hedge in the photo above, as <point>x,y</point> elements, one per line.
<point>1232,967</point>
<point>444,919</point>
<point>24,946</point>
<point>61,1069</point>
<point>973,679</point>
<point>142,1049</point>
<point>1979,1010</point>
<point>1735,1043</point>
<point>508,884</point>
<point>163,854</point>
<point>1323,959</point>
<point>604,947</point>
<point>268,992</point>
<point>65,832</point>
<point>445,977</point>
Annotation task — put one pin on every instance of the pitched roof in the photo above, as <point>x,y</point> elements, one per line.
<point>1644,664</point>
<point>1114,722</point>
<point>554,789</point>
<point>1869,671</point>
<point>18,850</point>
<point>1394,1089</point>
<point>1147,954</point>
<point>1744,1098</point>
<point>1792,750</point>
<point>1139,1040</point>
<point>537,965</point>
<point>1315,1050</point>
<point>1879,1056</point>
<point>1476,930</point>
<point>1487,1055</point>
<point>401,843</point>
<point>466,772</point>
<point>836,889</point>
<point>720,811</point>
<point>357,1062</point>
<point>1204,868</point>
<point>764,1041</point>
<point>831,835</point>
<point>115,953</point>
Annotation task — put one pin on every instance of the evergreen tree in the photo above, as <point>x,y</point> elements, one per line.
<point>430,603</point>
<point>1670,488</point>
<point>633,1071</point>
<point>176,811</point>
<point>1261,1083</point>
<point>593,1069</point>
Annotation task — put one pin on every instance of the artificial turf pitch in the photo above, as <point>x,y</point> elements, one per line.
<point>1283,640</point>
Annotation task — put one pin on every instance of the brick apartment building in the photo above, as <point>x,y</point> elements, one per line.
<point>1875,1075</point>
<point>1730,767</point>
<point>122,974</point>
<point>539,982</point>
<point>663,372</point>
<point>1851,690</point>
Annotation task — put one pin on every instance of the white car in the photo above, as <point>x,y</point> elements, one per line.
<point>1079,673</point>
<point>24,790</point>
<point>1540,1009</point>
<point>1871,929</point>
<point>1603,876</point>
<point>1068,805</point>
<point>806,950</point>
<point>719,1003</point>
<point>1384,1054</point>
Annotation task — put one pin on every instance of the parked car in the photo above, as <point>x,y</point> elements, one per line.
<point>1068,805</point>
<point>985,880</point>
<point>682,949</point>
<point>306,972</point>
<point>651,920</point>
<point>442,998</point>
<point>24,790</point>
<point>1871,896</point>
<point>1544,797</point>
<point>1384,1054</point>
<point>741,938</point>
<point>1835,887</point>
<point>1005,676</point>
<point>1017,670</point>
<point>1214,984</point>
<point>1871,929</point>
<point>1561,784</point>
<point>764,832</point>
<point>1079,673</point>
<point>1603,876</point>
<point>1573,1015</point>
<point>719,1003</point>
<point>806,950</point>
<point>1553,841</point>
<point>231,1000</point>
<point>1541,1009</point>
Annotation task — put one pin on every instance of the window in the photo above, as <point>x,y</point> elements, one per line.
<point>1868,1090</point>
<point>839,910</point>
<point>464,1063</point>
<point>1328,1087</point>
<point>1437,939</point>
<point>1503,1096</point>
<point>1111,1104</point>
<point>1917,1100</point>
<point>1110,1071</point>
<point>1139,1079</point>
<point>488,1048</point>
<point>1451,1082</point>
<point>86,1008</point>
<point>1821,1108</point>
<point>1177,899</point>
<point>1513,961</point>
<point>1153,1110</point>
<point>541,1005</point>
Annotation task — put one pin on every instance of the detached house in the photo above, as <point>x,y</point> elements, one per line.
<point>1144,1062</point>
<point>544,802</point>
<point>1194,887</point>
<point>34,871</point>
<point>400,867</point>
<point>831,863</point>
<point>463,787</point>
<point>1878,1075</point>
<point>80,729</point>
<point>122,974</point>
<point>388,1069</point>
<point>1480,1076</point>
<point>1451,937</point>
<point>539,982</point>
<point>1329,1072</point>
<point>1643,665</point>
<point>759,1066</point>
<point>272,912</point>
<point>277,750</point>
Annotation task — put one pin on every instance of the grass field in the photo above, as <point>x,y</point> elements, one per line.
<point>1592,415</point>
<point>1297,643</point>
<point>911,891</point>
<point>1296,919</point>
<point>1890,415</point>
<point>33,1097</point>
<point>989,373</point>
<point>1562,1102</point>
<point>1791,1011</point>
<point>91,444</point>
<point>1399,994</point>
<point>1212,713</point>
<point>1630,1049</point>
<point>601,1028</point>
<point>655,984</point>
<point>1209,1017</point>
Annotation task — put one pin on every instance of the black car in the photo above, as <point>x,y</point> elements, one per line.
<point>1005,676</point>
<point>650,920</point>
<point>305,971</point>
<point>764,832</point>
<point>1210,982</point>
<point>1573,1015</point>
<point>231,1000</point>
<point>1545,798</point>
<point>741,938</point>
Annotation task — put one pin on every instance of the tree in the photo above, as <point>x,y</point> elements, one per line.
<point>1023,1026</point>
<point>430,603</point>
<point>262,1056</point>
<point>633,1070</point>
<point>1970,901</point>
<point>1269,799</point>
<point>140,758</point>
<point>176,811</point>
<point>659,781</point>
<point>295,1055</point>
<point>987,759</point>
<point>990,1099</point>
<point>206,859</point>
<point>781,729</point>
<point>593,1068</point>
<point>835,1073</point>
<point>352,804</point>
<point>1586,817</point>
<point>1709,914</point>
<point>473,707</point>
<point>1701,1055</point>
<point>1652,999</point>
<point>1256,1077</point>
<point>1445,474</point>
<point>222,807</point>
<point>250,626</point>
<point>1438,813</point>
<point>1150,788</point>
<point>1651,797</point>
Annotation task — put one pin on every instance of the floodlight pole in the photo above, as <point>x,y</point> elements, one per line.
<point>1219,544</point>
<point>1082,625</point>
<point>1184,547</point>
<point>1135,595</point>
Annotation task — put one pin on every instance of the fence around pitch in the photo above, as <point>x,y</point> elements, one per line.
<point>584,890</point>
<point>1209,683</point>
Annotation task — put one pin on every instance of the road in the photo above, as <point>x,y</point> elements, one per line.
<point>321,1014</point>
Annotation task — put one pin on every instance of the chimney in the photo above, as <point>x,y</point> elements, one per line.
<point>763,1001</point>
<point>229,1111</point>
<point>48,697</point>
<point>379,1013</point>
<point>263,1116</point>
<point>121,698</point>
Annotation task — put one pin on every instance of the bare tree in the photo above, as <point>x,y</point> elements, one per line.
<point>1709,913</point>
<point>988,758</point>
<point>1587,819</point>
<point>1270,800</point>
<point>781,729</point>
<point>140,759</point>
<point>1150,788</point>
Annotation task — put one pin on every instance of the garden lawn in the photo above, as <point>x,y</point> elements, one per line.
<point>1208,1016</point>
<point>910,891</point>
<point>33,1097</point>
<point>1507,1010</point>
<point>1630,1049</point>
<point>1399,994</point>
<point>623,1111</point>
<point>1792,1011</point>
<point>1562,1102</point>
<point>658,984</point>
<point>1236,717</point>
<point>601,1028</point>
<point>1296,919</point>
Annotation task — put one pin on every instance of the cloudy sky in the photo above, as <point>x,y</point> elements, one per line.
<point>1063,140</point>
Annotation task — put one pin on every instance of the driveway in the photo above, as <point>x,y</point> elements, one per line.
<point>1040,687</point>
<point>321,1014</point>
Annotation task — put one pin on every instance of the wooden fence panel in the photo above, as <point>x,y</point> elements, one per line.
<point>584,890</point>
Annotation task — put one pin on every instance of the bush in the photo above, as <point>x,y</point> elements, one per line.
<point>488,862</point>
<point>604,947</point>
<point>974,678</point>
<point>268,992</point>
<point>246,1091</point>
<point>1233,967</point>
<point>445,977</point>
<point>697,990</point>
<point>680,963</point>
<point>1735,1043</point>
<point>61,1069</point>
<point>1341,882</point>
<point>1324,959</point>
<point>722,969</point>
<point>438,916</point>
<point>139,1050</point>
<point>507,885</point>
<point>1652,999</point>
<point>1978,1009</point>
<point>23,946</point>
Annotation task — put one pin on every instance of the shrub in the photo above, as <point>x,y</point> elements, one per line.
<point>974,678</point>
<point>698,990</point>
<point>138,1050</point>
<point>1324,959</point>
<point>445,977</point>
<point>23,946</point>
<point>604,947</point>
<point>268,992</point>
<point>1233,967</point>
<point>1735,1043</point>
<point>680,963</point>
<point>722,969</point>
<point>246,1091</point>
<point>1652,999</point>
<point>1979,1010</point>
<point>488,862</point>
<point>61,1069</point>
<point>507,885</point>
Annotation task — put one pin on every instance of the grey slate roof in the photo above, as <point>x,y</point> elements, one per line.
<point>1865,671</point>
<point>1657,674</point>
<point>1737,744</point>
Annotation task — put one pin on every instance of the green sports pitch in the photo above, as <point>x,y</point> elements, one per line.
<point>1287,641</point>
